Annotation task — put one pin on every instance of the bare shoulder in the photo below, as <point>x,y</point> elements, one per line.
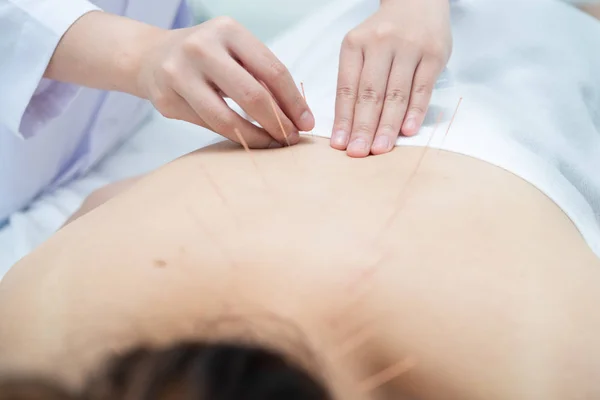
<point>457,243</point>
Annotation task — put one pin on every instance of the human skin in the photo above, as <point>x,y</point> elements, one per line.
<point>592,9</point>
<point>463,270</point>
<point>388,67</point>
<point>186,72</point>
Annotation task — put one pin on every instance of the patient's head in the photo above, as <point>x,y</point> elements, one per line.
<point>215,371</point>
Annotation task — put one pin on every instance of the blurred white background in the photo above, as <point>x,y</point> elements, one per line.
<point>265,18</point>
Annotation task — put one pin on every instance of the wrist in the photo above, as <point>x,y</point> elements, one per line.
<point>130,58</point>
<point>103,51</point>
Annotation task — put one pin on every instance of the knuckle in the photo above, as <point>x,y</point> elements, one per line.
<point>168,112</point>
<point>437,53</point>
<point>165,113</point>
<point>388,129</point>
<point>396,96</point>
<point>353,39</point>
<point>384,32</point>
<point>417,109</point>
<point>407,43</point>
<point>346,92</point>
<point>343,123</point>
<point>369,95</point>
<point>191,46</point>
<point>225,23</point>
<point>169,71</point>
<point>277,70</point>
<point>423,88</point>
<point>223,123</point>
<point>363,128</point>
<point>253,96</point>
<point>163,102</point>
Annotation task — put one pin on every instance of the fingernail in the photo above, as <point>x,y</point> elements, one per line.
<point>359,144</point>
<point>410,126</point>
<point>382,143</point>
<point>340,138</point>
<point>307,121</point>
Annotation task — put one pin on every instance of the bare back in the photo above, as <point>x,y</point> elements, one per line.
<point>458,264</point>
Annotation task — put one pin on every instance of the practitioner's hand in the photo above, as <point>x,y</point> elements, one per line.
<point>187,72</point>
<point>388,67</point>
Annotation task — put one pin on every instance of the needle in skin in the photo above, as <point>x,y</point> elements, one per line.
<point>274,107</point>
<point>249,152</point>
<point>358,289</point>
<point>217,189</point>
<point>285,135</point>
<point>411,177</point>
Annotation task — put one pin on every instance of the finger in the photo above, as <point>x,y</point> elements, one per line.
<point>264,65</point>
<point>422,88</point>
<point>254,99</point>
<point>351,65</point>
<point>220,118</point>
<point>171,105</point>
<point>371,94</point>
<point>396,102</point>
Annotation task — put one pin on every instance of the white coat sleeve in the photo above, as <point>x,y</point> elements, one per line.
<point>29,33</point>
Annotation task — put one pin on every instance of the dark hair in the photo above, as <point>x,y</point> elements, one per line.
<point>190,371</point>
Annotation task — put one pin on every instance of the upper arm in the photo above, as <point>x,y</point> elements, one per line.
<point>30,28</point>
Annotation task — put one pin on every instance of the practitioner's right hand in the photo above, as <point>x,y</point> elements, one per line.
<point>186,73</point>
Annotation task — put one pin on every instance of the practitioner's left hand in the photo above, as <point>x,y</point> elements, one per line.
<point>388,67</point>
